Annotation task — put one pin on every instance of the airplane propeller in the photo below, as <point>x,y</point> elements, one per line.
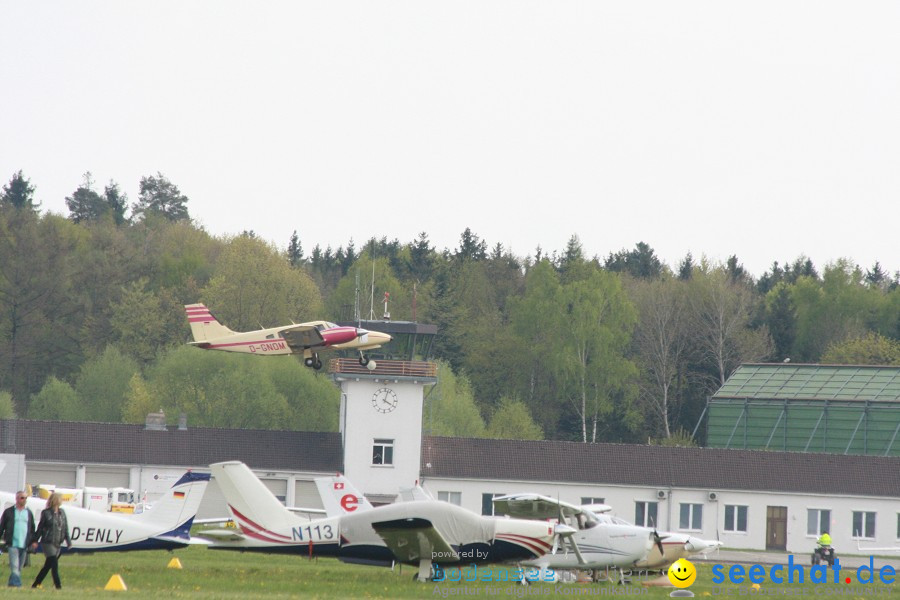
<point>657,539</point>
<point>567,532</point>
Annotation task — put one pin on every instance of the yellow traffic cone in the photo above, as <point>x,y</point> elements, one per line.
<point>175,563</point>
<point>116,584</point>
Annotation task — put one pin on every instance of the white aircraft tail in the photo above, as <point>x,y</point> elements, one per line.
<point>204,326</point>
<point>414,494</point>
<point>174,513</point>
<point>252,505</point>
<point>340,497</point>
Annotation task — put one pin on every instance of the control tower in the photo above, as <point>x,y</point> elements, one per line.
<point>381,409</point>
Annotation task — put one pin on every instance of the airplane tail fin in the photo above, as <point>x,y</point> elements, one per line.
<point>204,326</point>
<point>253,506</point>
<point>178,507</point>
<point>340,497</point>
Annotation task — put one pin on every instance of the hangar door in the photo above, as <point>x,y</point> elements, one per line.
<point>107,478</point>
<point>55,474</point>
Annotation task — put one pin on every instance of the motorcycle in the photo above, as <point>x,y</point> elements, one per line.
<point>823,554</point>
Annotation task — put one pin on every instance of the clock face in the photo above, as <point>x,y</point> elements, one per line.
<point>384,400</point>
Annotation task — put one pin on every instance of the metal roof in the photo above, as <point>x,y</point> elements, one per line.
<point>784,381</point>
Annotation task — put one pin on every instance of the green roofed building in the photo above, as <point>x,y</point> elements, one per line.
<point>808,408</point>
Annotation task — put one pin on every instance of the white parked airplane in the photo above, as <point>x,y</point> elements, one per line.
<point>594,545</point>
<point>164,526</point>
<point>419,533</point>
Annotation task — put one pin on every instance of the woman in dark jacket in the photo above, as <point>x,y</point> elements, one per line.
<point>52,531</point>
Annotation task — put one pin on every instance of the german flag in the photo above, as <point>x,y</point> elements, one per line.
<point>179,495</point>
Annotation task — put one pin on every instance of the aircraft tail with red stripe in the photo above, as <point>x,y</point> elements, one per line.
<point>204,326</point>
<point>251,504</point>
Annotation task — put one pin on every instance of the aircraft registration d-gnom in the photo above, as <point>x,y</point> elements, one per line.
<point>594,545</point>
<point>417,532</point>
<point>307,339</point>
<point>164,526</point>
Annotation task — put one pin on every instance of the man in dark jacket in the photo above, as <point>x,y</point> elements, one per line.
<point>17,533</point>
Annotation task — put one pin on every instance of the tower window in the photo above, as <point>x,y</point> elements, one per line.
<point>383,452</point>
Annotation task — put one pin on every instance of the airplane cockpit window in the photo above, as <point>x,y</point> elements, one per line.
<point>320,327</point>
<point>587,520</point>
<point>329,325</point>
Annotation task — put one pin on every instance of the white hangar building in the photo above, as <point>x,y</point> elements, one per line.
<point>750,499</point>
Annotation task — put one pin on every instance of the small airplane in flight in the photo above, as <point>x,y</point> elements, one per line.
<point>164,526</point>
<point>418,532</point>
<point>298,338</point>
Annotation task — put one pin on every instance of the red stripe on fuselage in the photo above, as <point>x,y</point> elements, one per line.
<point>257,526</point>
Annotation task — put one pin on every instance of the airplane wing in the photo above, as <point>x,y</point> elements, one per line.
<point>221,535</point>
<point>413,539</point>
<point>534,506</point>
<point>302,336</point>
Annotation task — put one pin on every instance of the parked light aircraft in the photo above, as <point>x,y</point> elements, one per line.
<point>601,538</point>
<point>594,545</point>
<point>419,533</point>
<point>307,339</point>
<point>164,526</point>
<point>672,546</point>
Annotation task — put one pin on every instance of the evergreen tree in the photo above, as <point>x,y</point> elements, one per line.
<point>19,193</point>
<point>686,267</point>
<point>85,204</point>
<point>295,250</point>
<point>641,262</point>
<point>159,196</point>
<point>117,202</point>
<point>471,247</point>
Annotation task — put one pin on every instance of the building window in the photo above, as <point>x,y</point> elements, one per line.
<point>451,497</point>
<point>898,526</point>
<point>818,521</point>
<point>735,518</point>
<point>585,500</point>
<point>383,452</point>
<point>691,518</point>
<point>487,504</point>
<point>645,513</point>
<point>863,525</point>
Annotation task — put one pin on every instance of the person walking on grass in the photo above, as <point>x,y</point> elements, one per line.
<point>52,531</point>
<point>17,534</point>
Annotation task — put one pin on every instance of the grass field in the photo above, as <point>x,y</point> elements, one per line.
<point>218,574</point>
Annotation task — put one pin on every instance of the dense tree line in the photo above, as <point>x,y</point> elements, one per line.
<point>559,345</point>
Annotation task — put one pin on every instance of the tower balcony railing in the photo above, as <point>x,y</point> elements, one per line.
<point>408,369</point>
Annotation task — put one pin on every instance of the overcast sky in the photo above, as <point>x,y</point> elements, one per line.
<point>762,129</point>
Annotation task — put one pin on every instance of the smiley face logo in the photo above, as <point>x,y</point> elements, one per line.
<point>682,573</point>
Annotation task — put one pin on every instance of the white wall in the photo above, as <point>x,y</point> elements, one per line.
<point>362,424</point>
<point>622,499</point>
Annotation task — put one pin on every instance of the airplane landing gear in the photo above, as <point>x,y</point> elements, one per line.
<point>366,362</point>
<point>313,362</point>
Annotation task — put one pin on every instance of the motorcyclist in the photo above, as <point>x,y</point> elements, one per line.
<point>824,540</point>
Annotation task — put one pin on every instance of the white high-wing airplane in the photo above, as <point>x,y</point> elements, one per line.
<point>164,526</point>
<point>595,545</point>
<point>601,538</point>
<point>307,339</point>
<point>672,546</point>
<point>418,532</point>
